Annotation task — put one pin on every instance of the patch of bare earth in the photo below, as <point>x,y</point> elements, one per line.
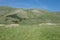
<point>9,25</point>
<point>47,24</point>
<point>12,25</point>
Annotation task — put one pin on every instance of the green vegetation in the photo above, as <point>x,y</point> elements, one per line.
<point>10,15</point>
<point>30,32</point>
<point>33,24</point>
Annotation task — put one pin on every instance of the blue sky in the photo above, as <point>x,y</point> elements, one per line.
<point>52,5</point>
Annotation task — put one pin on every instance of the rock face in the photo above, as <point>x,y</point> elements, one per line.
<point>36,11</point>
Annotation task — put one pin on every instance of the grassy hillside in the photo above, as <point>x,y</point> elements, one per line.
<point>27,16</point>
<point>27,24</point>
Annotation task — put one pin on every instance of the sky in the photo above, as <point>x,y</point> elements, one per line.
<point>52,5</point>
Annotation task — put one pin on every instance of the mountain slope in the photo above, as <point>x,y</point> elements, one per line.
<point>27,16</point>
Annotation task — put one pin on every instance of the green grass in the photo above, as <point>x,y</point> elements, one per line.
<point>30,32</point>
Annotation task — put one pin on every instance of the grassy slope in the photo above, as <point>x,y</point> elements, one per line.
<point>30,32</point>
